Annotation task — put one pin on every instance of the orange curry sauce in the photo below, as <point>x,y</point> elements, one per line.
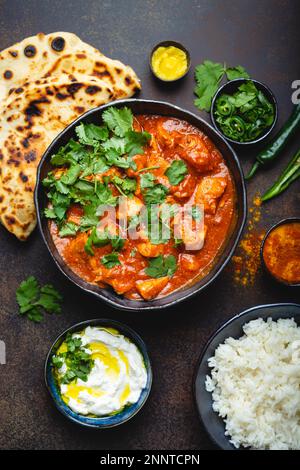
<point>281,252</point>
<point>208,182</point>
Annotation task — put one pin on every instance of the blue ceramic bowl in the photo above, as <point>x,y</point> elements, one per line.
<point>213,424</point>
<point>106,421</point>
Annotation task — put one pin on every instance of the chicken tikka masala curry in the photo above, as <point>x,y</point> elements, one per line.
<point>148,161</point>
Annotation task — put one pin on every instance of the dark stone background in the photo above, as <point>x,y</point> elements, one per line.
<point>262,35</point>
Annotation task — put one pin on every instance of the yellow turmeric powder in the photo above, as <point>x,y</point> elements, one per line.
<point>246,262</point>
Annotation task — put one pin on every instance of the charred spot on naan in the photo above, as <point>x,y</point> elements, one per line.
<point>58,44</point>
<point>30,51</point>
<point>8,74</point>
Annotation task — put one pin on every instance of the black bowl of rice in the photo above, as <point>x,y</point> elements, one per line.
<point>247,380</point>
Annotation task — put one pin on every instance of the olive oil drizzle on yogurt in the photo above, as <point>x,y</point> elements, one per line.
<point>116,379</point>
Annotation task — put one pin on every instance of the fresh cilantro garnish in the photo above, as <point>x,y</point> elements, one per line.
<point>135,142</point>
<point>79,363</point>
<point>68,229</point>
<point>110,260</point>
<point>70,177</point>
<point>90,134</point>
<point>117,243</point>
<point>160,266</point>
<point>177,242</point>
<point>126,186</point>
<point>118,120</point>
<point>69,154</point>
<point>99,239</point>
<point>176,172</point>
<point>208,76</point>
<point>33,299</point>
<point>155,195</point>
<point>97,149</point>
<point>147,180</point>
<point>236,72</point>
<point>49,213</point>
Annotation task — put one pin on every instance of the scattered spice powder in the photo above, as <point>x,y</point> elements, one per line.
<point>246,263</point>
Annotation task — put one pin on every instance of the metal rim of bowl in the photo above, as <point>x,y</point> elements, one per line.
<point>126,331</point>
<point>143,305</point>
<point>285,221</point>
<point>262,85</point>
<point>166,44</point>
<point>205,348</point>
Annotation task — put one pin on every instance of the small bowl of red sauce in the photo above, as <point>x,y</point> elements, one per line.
<point>280,252</point>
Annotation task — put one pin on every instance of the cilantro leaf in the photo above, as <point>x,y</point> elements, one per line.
<point>135,142</point>
<point>49,213</point>
<point>113,158</point>
<point>71,175</point>
<point>118,144</point>
<point>50,299</point>
<point>90,218</point>
<point>79,363</point>
<point>68,154</point>
<point>156,194</point>
<point>90,134</point>
<point>27,292</point>
<point>208,76</point>
<point>97,239</point>
<point>110,260</point>
<point>32,299</point>
<point>236,72</point>
<point>147,180</point>
<point>176,172</point>
<point>126,186</point>
<point>105,195</point>
<point>117,243</point>
<point>160,266</point>
<point>118,120</point>
<point>69,229</point>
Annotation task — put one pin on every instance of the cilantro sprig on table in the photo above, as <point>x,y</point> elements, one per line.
<point>33,299</point>
<point>79,363</point>
<point>208,76</point>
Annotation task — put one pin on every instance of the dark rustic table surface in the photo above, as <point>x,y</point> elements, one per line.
<point>262,35</point>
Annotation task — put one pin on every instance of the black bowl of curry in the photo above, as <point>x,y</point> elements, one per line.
<point>140,203</point>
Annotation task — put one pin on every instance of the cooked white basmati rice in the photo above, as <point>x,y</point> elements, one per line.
<point>255,385</point>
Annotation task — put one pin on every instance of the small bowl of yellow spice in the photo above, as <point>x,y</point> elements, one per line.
<point>169,61</point>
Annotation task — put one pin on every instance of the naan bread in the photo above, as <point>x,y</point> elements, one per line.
<point>28,125</point>
<point>16,67</point>
<point>55,90</point>
<point>49,55</point>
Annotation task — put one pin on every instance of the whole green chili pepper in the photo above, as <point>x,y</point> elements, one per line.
<point>274,148</point>
<point>290,174</point>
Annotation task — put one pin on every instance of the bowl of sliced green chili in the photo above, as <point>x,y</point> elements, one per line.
<point>244,111</point>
